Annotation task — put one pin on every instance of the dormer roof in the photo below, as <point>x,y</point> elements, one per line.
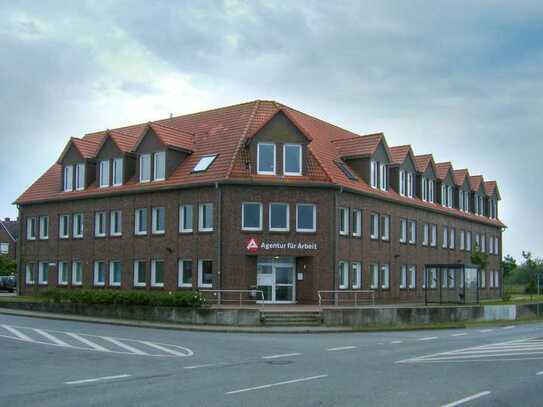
<point>86,148</point>
<point>423,161</point>
<point>459,176</point>
<point>170,137</point>
<point>475,182</point>
<point>442,169</point>
<point>491,189</point>
<point>399,154</point>
<point>361,146</point>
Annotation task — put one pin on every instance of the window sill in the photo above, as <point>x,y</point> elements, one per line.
<point>158,233</point>
<point>279,230</point>
<point>206,230</point>
<point>306,231</point>
<point>185,286</point>
<point>186,232</point>
<point>205,286</point>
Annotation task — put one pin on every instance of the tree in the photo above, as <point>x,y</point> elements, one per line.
<point>479,258</point>
<point>7,266</point>
<point>509,264</point>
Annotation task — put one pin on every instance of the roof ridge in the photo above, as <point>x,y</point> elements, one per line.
<point>171,128</point>
<point>359,136</point>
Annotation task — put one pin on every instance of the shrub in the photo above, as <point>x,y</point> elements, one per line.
<point>114,297</point>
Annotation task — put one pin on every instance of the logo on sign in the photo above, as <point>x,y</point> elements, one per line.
<point>252,245</point>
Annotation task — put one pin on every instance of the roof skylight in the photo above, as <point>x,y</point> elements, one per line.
<point>204,163</point>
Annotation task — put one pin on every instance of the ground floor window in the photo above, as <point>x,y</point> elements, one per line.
<point>77,273</point>
<point>412,275</point>
<point>184,273</point>
<point>43,273</point>
<point>63,270</point>
<point>403,277</point>
<point>30,273</point>
<point>356,275</point>
<point>140,273</point>
<point>157,273</point>
<point>115,273</point>
<point>343,275</point>
<point>385,277</point>
<point>99,273</point>
<point>374,276</point>
<point>205,273</point>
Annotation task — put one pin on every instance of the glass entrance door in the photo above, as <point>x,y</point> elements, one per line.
<point>275,278</point>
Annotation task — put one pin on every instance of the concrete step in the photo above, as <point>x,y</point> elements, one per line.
<point>292,318</point>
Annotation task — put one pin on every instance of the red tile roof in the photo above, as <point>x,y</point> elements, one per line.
<point>442,169</point>
<point>475,182</point>
<point>459,176</point>
<point>423,161</point>
<point>398,154</point>
<point>225,132</point>
<point>490,187</point>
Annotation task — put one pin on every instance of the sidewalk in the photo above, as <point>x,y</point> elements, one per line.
<point>181,327</point>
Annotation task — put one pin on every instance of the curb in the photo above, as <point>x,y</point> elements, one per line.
<point>179,327</point>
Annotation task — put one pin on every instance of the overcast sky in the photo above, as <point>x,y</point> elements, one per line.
<point>460,80</point>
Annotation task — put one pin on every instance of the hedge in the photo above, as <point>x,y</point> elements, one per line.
<point>83,296</point>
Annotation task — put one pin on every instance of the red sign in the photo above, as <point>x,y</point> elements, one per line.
<point>252,245</point>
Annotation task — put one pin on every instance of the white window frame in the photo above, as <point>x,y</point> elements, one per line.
<point>299,147</point>
<point>76,281</point>
<point>343,271</point>
<point>136,271</point>
<point>374,173</point>
<point>356,279</point>
<point>303,230</point>
<point>274,159</point>
<point>4,248</point>
<point>385,276</point>
<point>113,283</point>
<point>425,234</point>
<point>201,209</point>
<point>31,227</point>
<point>154,283</point>
<point>403,230</point>
<point>285,229</point>
<point>30,278</point>
<point>60,271</point>
<point>117,170</point>
<point>424,182</point>
<point>445,243</point>
<point>68,178</point>
<point>374,226</point>
<point>180,273</point>
<point>64,223</point>
<point>412,231</point>
<point>374,276</point>
<point>182,219</point>
<point>385,232</point>
<point>403,277</point>
<point>200,274</point>
<point>154,220</point>
<point>137,224</point>
<point>383,177</point>
<point>159,157</point>
<point>116,222</point>
<point>77,234</point>
<point>462,240</point>
<point>104,180</point>
<point>431,190</point>
<point>44,227</point>
<point>410,188</point>
<point>260,217</point>
<point>412,276</point>
<point>80,176</point>
<point>41,279</point>
<point>433,235</point>
<point>96,270</point>
<point>402,182</point>
<point>357,222</point>
<point>483,279</point>
<point>344,221</point>
<point>98,215</point>
<point>452,238</point>
<point>468,240</point>
<point>144,159</point>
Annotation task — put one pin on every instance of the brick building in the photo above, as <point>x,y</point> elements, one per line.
<point>9,232</point>
<point>256,194</point>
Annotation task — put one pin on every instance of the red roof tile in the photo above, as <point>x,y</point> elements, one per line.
<point>398,154</point>
<point>475,182</point>
<point>490,187</point>
<point>442,169</point>
<point>459,176</point>
<point>358,146</point>
<point>423,161</point>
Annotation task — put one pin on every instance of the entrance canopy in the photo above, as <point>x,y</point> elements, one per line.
<point>451,283</point>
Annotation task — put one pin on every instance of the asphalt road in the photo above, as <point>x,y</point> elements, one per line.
<point>65,363</point>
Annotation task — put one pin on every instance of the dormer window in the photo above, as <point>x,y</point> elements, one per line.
<point>160,166</point>
<point>410,191</point>
<point>402,183</point>
<point>104,173</point>
<point>383,176</point>
<point>145,167</point>
<point>446,196</point>
<point>117,171</point>
<point>266,158</point>
<point>68,178</point>
<point>493,212</point>
<point>374,173</point>
<point>80,176</point>
<point>478,209</point>
<point>292,159</point>
<point>431,191</point>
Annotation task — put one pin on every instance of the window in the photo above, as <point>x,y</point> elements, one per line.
<point>185,218</point>
<point>410,185</point>
<point>31,229</point>
<point>452,239</point>
<point>343,167</point>
<point>445,243</point>
<point>64,226</point>
<point>204,163</point>
<point>292,159</point>
<point>412,232</point>
<point>116,223</point>
<point>205,273</point>
<point>433,235</point>
<point>466,201</point>
<point>497,246</point>
<point>462,240</point>
<point>266,158</point>
<point>383,177</point>
<point>357,222</point>
<point>493,209</point>
<point>279,217</point>
<point>30,270</point>
<point>99,273</point>
<point>140,221</point>
<point>145,167</point>
<point>468,241</point>
<point>356,278</point>
<point>157,273</point>
<point>117,171</point>
<point>497,279</point>
<point>43,273</point>
<point>80,177</point>
<point>184,269</point>
<point>63,273</point>
<point>431,191</point>
<point>374,173</point>
<point>491,279</point>
<point>412,276</point>
<point>449,196</point>
<point>482,282</point>
<point>68,178</point>
<point>140,273</point>
<point>115,273</point>
<point>403,231</point>
<point>385,225</point>
<point>385,277</point>
<point>451,273</point>
<point>425,234</point>
<point>343,275</point>
<point>306,218</point>
<point>159,169</point>
<point>402,183</point>
<point>424,182</point>
<point>444,278</point>
<point>205,217</point>
<point>77,273</point>
<point>483,243</point>
<point>490,245</point>
<point>403,277</point>
<point>100,224</point>
<point>343,221</point>
<point>44,227</point>
<point>78,225</point>
<point>158,221</point>
<point>374,233</point>
<point>251,216</point>
<point>374,276</point>
<point>478,241</point>
<point>104,173</point>
<point>4,248</point>
<point>461,200</point>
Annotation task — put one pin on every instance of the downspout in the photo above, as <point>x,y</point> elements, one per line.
<point>18,256</point>
<point>219,241</point>
<point>335,241</point>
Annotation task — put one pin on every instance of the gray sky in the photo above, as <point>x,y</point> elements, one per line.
<point>460,80</point>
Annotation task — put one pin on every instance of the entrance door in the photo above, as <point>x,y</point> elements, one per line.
<point>275,278</point>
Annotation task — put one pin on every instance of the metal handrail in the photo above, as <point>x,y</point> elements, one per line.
<point>241,292</point>
<point>356,292</point>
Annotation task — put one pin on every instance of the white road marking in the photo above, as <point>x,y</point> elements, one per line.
<point>17,333</point>
<point>267,386</point>
<point>429,338</point>
<point>93,345</point>
<point>98,379</point>
<point>341,348</point>
<point>396,342</point>
<point>539,373</point>
<point>124,346</point>
<point>484,331</point>
<point>52,338</point>
<point>164,349</point>
<point>285,355</point>
<point>466,399</point>
<point>462,334</point>
<point>509,327</point>
<point>200,366</point>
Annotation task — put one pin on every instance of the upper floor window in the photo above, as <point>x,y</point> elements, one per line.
<point>402,183</point>
<point>31,228</point>
<point>77,225</point>
<point>403,230</point>
<point>205,217</point>
<point>160,166</point>
<point>104,173</point>
<point>343,221</point>
<point>428,190</point>
<point>385,227</point>
<point>468,241</point>
<point>266,158</point>
<point>383,176</point>
<point>185,218</point>
<point>64,226</point>
<point>145,167</point>
<point>100,224</point>
<point>374,173</point>
<point>117,171</point>
<point>115,223</point>
<point>292,159</point>
<point>479,206</point>
<point>80,176</point>
<point>159,221</point>
<point>251,215</point>
<point>445,242</point>
<point>461,200</point>
<point>425,234</point>
<point>44,227</point>
<point>410,185</point>
<point>140,221</point>
<point>279,217</point>
<point>374,233</point>
<point>204,163</point>
<point>306,218</point>
<point>449,196</point>
<point>433,235</point>
<point>357,222</point>
<point>412,231</point>
<point>68,178</point>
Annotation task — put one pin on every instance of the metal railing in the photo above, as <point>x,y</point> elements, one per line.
<point>357,296</point>
<point>221,294</point>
